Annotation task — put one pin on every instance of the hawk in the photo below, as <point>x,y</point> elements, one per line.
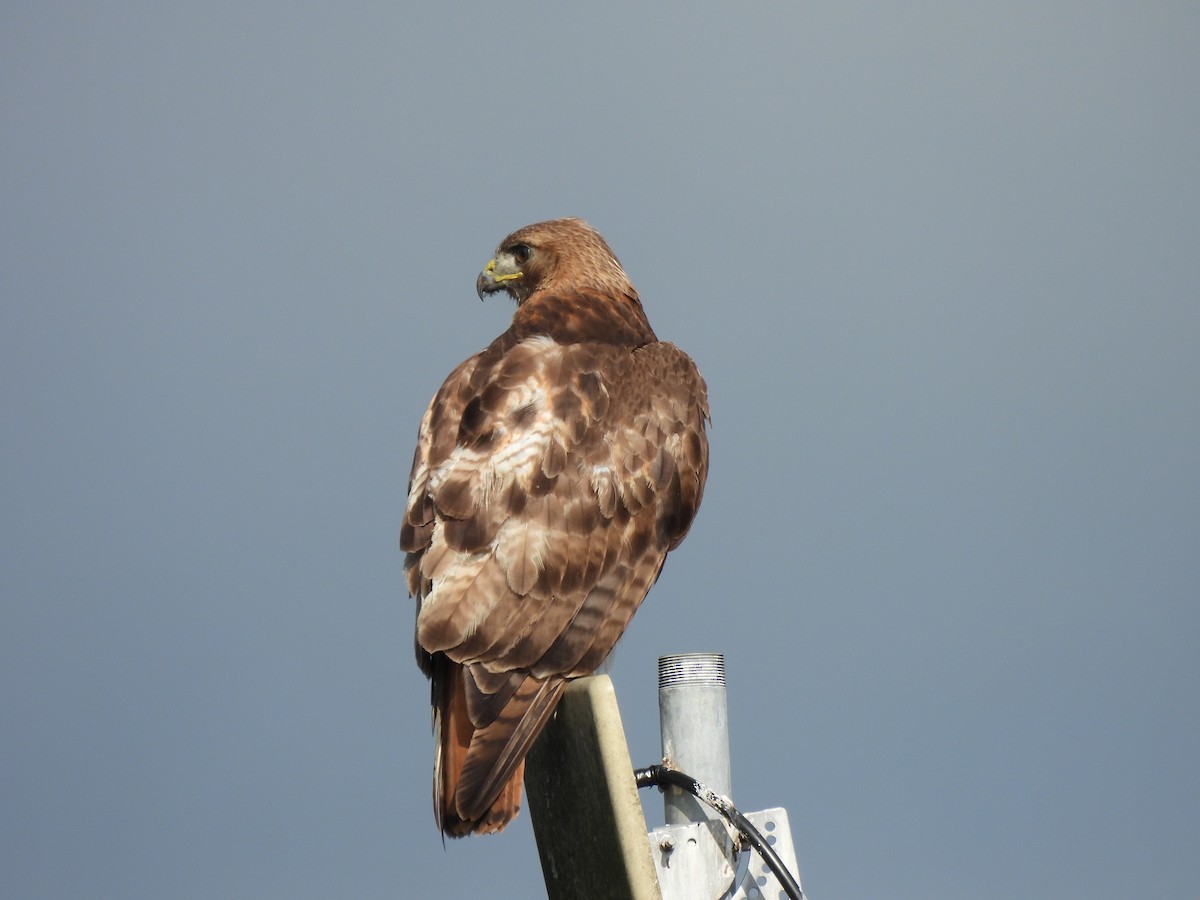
<point>554,471</point>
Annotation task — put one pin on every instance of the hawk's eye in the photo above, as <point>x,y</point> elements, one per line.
<point>521,253</point>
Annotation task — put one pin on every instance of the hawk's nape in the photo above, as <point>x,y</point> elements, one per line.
<point>554,470</point>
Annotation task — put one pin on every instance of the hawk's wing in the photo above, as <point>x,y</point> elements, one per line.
<point>550,480</point>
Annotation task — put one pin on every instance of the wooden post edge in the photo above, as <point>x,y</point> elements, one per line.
<point>587,818</point>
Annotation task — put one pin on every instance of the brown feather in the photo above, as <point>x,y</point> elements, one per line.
<point>498,748</point>
<point>554,470</point>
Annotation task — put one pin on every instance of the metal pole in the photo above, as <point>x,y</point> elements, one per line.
<point>694,718</point>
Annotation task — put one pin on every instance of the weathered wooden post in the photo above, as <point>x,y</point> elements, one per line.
<point>587,816</point>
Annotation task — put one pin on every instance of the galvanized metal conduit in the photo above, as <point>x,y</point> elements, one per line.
<point>694,718</point>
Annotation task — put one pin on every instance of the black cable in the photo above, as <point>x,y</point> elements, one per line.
<point>657,776</point>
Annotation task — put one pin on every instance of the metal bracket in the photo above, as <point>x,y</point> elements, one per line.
<point>694,861</point>
<point>759,882</point>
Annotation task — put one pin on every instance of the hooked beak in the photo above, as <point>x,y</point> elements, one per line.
<point>496,276</point>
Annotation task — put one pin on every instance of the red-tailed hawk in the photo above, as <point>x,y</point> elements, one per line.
<point>554,471</point>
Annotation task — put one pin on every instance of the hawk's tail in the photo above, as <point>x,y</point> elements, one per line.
<point>481,753</point>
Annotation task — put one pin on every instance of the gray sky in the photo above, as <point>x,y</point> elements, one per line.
<point>938,263</point>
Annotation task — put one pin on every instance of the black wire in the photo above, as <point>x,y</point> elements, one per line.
<point>657,776</point>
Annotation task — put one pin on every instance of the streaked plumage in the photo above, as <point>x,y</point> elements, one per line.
<point>553,472</point>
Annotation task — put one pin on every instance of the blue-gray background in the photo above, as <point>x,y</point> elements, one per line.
<point>939,263</point>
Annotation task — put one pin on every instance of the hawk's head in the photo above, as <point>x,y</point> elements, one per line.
<point>560,252</point>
